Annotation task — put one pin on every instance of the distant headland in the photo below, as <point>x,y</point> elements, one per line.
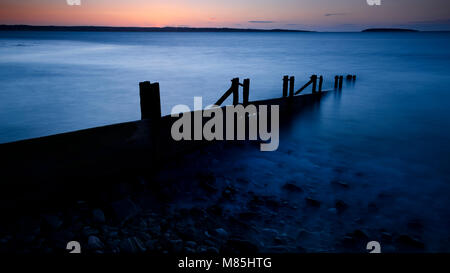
<point>137,29</point>
<point>389,30</point>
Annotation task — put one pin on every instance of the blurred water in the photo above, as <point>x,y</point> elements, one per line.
<point>53,82</point>
<point>389,133</point>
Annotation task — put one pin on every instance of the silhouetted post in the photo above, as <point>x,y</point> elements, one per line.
<point>314,83</point>
<point>235,86</point>
<point>320,83</point>
<point>341,80</point>
<point>291,86</point>
<point>354,77</point>
<point>285,86</point>
<point>336,82</point>
<point>246,91</point>
<point>349,77</point>
<point>150,100</point>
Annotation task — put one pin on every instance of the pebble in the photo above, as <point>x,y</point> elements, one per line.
<point>5,239</point>
<point>124,210</point>
<point>386,236</point>
<point>98,216</point>
<point>372,207</point>
<point>332,210</point>
<point>202,249</point>
<point>312,202</point>
<point>88,231</point>
<point>94,243</point>
<point>270,232</point>
<point>222,232</point>
<point>278,241</point>
<point>340,184</point>
<point>407,241</point>
<point>191,244</point>
<point>189,250</point>
<point>292,188</point>
<point>177,245</point>
<point>341,206</point>
<point>415,225</point>
<point>132,245</point>
<point>144,236</point>
<point>151,245</point>
<point>212,250</point>
<point>359,235</point>
<point>53,221</point>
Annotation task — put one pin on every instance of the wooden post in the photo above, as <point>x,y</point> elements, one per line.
<point>336,82</point>
<point>354,77</point>
<point>235,86</point>
<point>291,86</point>
<point>320,83</point>
<point>314,83</point>
<point>246,91</point>
<point>150,100</point>
<point>341,79</point>
<point>285,86</point>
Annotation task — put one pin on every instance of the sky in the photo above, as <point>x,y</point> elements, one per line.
<point>318,15</point>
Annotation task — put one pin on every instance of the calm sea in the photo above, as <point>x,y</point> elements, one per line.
<point>53,82</point>
<point>388,135</point>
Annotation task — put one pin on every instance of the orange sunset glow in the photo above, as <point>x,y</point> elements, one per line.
<point>306,14</point>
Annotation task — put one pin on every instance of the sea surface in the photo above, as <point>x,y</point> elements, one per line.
<point>387,135</point>
<point>52,82</point>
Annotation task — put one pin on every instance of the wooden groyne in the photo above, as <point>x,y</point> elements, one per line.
<point>75,163</point>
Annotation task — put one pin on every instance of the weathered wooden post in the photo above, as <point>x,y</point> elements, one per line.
<point>235,87</point>
<point>285,86</point>
<point>341,79</point>
<point>291,86</point>
<point>336,82</point>
<point>150,100</point>
<point>320,84</point>
<point>314,83</point>
<point>246,91</point>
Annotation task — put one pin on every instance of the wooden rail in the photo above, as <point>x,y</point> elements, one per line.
<point>234,89</point>
<point>150,94</point>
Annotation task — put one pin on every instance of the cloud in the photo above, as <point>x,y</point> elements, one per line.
<point>432,22</point>
<point>261,22</point>
<point>297,25</point>
<point>334,14</point>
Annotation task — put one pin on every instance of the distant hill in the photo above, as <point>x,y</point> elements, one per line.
<point>389,30</point>
<point>137,29</point>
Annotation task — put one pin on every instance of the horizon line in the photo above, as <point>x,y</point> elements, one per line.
<point>184,28</point>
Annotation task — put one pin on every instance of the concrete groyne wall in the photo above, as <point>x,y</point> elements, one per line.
<point>73,164</point>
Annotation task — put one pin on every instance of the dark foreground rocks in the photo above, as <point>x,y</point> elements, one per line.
<point>195,208</point>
